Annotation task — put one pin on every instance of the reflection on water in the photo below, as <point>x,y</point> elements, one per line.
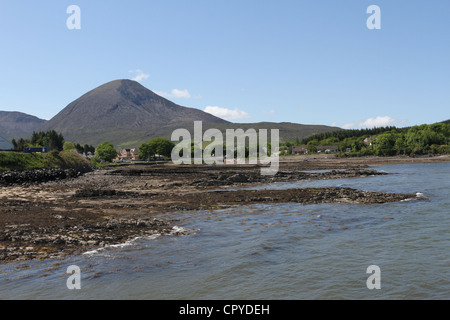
<point>281,251</point>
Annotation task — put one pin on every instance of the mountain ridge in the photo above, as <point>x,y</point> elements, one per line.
<point>120,111</point>
<point>14,124</point>
<point>126,113</point>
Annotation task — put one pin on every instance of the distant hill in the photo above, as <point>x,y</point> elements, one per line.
<point>446,122</point>
<point>127,114</point>
<point>5,145</point>
<point>18,124</point>
<point>288,131</point>
<point>124,113</point>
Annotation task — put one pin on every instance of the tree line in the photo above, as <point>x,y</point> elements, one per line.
<point>147,151</point>
<point>50,139</point>
<point>348,133</point>
<point>384,141</point>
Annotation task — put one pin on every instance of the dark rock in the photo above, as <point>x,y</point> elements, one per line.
<point>27,177</point>
<point>239,177</point>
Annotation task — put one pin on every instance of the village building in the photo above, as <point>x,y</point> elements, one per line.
<point>128,155</point>
<point>37,150</point>
<point>328,149</point>
<point>368,141</point>
<point>88,155</point>
<point>299,150</point>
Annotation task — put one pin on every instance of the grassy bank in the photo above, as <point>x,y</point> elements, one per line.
<point>28,161</point>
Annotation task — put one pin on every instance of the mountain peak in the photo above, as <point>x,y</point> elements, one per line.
<point>122,111</point>
<point>121,83</point>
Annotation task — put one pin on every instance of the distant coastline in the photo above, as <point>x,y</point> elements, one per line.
<point>331,161</point>
<point>19,168</point>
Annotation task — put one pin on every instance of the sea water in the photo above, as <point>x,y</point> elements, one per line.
<point>273,251</point>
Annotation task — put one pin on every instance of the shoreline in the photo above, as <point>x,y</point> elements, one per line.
<point>368,160</point>
<point>102,208</point>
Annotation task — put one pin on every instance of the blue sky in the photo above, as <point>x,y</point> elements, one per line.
<point>310,62</point>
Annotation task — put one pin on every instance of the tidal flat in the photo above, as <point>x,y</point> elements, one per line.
<point>52,219</point>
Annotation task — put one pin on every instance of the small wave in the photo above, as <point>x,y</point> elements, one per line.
<point>121,245</point>
<point>176,231</point>
<point>419,195</point>
<point>92,252</point>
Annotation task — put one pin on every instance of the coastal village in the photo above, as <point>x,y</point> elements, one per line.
<point>132,154</point>
<point>320,149</point>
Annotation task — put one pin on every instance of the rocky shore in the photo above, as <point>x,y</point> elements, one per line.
<point>28,241</point>
<point>49,214</point>
<point>10,178</point>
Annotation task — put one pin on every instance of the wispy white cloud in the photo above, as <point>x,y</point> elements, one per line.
<point>372,123</point>
<point>181,93</point>
<point>269,111</point>
<point>175,93</point>
<point>227,114</point>
<point>139,75</point>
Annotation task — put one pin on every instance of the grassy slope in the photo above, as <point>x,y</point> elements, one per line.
<point>134,137</point>
<point>25,161</point>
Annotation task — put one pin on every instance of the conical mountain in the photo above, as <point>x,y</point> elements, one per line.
<point>125,113</point>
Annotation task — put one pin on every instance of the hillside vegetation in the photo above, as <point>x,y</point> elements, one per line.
<point>386,141</point>
<point>29,161</point>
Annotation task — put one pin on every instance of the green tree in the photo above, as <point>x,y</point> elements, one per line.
<point>88,148</point>
<point>162,146</point>
<point>400,145</point>
<point>357,145</point>
<point>441,128</point>
<point>156,146</point>
<point>68,146</point>
<point>312,146</point>
<point>106,151</point>
<point>347,143</point>
<point>78,147</point>
<point>330,141</point>
<point>146,151</point>
<point>420,138</point>
<point>50,139</point>
<point>384,145</point>
<point>20,144</point>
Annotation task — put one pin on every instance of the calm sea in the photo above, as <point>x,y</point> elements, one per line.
<point>282,251</point>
